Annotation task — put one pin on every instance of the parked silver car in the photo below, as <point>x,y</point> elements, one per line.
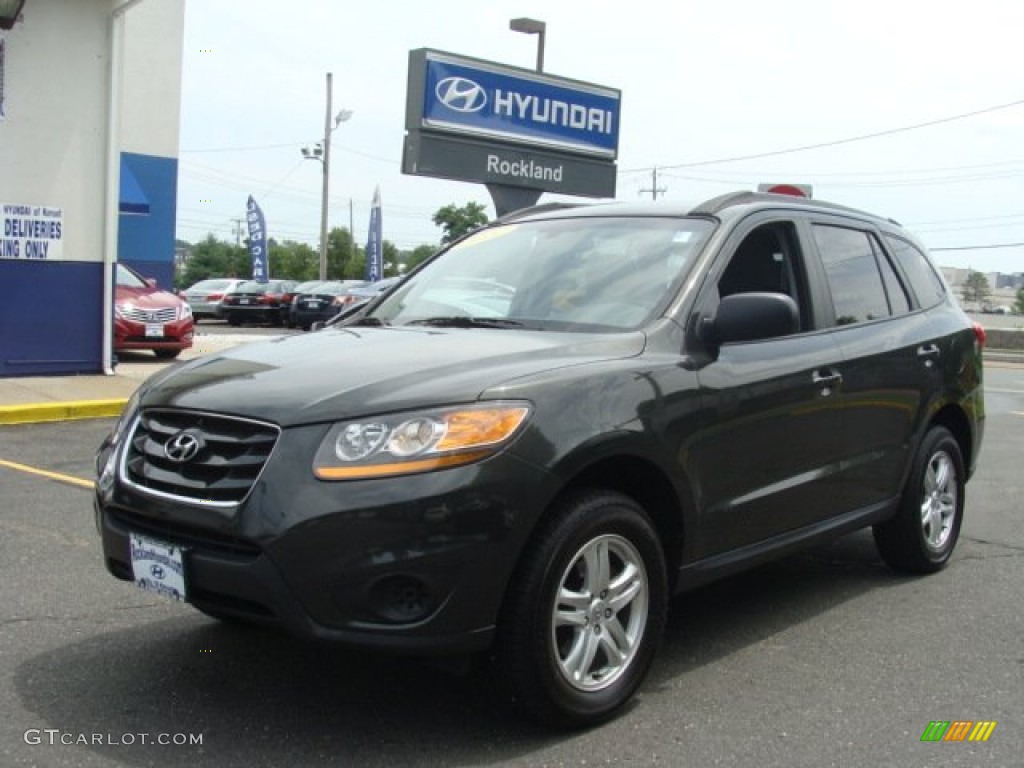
<point>205,296</point>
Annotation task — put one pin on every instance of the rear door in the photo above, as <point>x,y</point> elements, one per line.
<point>891,359</point>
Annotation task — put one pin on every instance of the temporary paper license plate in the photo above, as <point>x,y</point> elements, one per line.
<point>154,330</point>
<point>158,567</point>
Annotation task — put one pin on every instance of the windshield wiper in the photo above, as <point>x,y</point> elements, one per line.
<point>461,321</point>
<point>370,320</point>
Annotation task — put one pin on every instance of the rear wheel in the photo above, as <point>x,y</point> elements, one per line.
<point>585,611</point>
<point>921,536</point>
<point>233,319</point>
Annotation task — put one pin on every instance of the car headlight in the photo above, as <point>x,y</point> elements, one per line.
<point>405,443</point>
<point>122,310</point>
<point>184,312</point>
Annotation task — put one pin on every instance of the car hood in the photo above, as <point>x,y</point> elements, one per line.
<point>145,298</point>
<point>343,373</point>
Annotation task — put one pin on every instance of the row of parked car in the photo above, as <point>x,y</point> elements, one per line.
<point>279,302</point>
<point>149,318</point>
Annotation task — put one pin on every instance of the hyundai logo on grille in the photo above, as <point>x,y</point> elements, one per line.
<point>182,447</point>
<point>461,94</point>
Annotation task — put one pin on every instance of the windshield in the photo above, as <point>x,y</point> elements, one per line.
<point>128,278</point>
<point>581,274</point>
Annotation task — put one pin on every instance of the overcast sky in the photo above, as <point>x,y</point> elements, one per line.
<point>702,83</point>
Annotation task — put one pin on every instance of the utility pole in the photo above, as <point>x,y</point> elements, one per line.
<point>655,189</point>
<point>237,229</point>
<point>326,160</point>
<point>351,233</point>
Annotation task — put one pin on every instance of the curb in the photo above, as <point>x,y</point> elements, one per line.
<point>41,412</point>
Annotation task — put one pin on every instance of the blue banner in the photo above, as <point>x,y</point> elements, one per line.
<point>257,241</point>
<point>374,243</point>
<point>538,109</point>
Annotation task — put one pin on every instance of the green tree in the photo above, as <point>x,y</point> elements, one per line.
<point>340,255</point>
<point>1018,305</point>
<point>214,258</point>
<point>976,289</point>
<point>456,222</point>
<point>419,254</point>
<point>293,261</point>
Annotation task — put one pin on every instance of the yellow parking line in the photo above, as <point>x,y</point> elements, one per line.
<point>51,475</point>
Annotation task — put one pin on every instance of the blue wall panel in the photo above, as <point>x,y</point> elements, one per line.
<point>146,242</point>
<point>51,317</point>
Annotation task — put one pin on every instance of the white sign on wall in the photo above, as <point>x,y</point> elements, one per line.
<point>31,232</point>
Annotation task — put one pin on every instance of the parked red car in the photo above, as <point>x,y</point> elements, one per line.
<point>146,317</point>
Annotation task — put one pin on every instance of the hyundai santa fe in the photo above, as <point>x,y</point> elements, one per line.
<point>535,439</point>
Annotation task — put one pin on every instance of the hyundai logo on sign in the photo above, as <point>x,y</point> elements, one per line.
<point>467,96</point>
<point>461,94</point>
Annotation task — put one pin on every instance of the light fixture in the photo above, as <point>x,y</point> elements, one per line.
<point>532,27</point>
<point>9,12</point>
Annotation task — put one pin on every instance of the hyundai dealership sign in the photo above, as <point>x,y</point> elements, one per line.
<point>481,121</point>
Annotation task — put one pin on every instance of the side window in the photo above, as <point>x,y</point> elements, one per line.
<point>924,281</point>
<point>858,293</point>
<point>767,260</point>
<point>899,301</point>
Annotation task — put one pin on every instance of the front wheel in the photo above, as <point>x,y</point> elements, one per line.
<point>585,611</point>
<point>167,354</point>
<point>921,536</point>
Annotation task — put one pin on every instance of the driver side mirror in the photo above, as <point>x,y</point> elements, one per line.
<point>751,317</point>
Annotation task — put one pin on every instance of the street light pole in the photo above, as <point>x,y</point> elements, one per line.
<point>322,151</point>
<point>532,27</point>
<point>326,162</point>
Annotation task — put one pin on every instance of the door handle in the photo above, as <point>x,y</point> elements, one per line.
<point>928,353</point>
<point>827,380</point>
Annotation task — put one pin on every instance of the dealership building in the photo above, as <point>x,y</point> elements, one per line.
<point>90,96</point>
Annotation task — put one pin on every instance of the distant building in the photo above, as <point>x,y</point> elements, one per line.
<point>90,98</point>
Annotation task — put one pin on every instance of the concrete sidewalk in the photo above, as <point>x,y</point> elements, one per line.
<point>32,399</point>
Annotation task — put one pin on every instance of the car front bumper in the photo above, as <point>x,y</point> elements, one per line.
<point>129,334</point>
<point>417,563</point>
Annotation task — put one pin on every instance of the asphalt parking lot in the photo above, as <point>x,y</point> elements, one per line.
<point>823,659</point>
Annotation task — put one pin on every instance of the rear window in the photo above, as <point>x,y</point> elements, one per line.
<point>924,280</point>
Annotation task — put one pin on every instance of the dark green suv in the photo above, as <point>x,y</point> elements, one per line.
<point>532,441</point>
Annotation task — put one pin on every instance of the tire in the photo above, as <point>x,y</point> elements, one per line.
<point>921,536</point>
<point>592,582</point>
<point>167,354</point>
<point>233,320</point>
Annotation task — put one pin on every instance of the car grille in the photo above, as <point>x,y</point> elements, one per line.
<point>168,315</point>
<point>232,453</point>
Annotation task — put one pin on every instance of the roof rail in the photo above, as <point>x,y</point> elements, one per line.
<point>729,199</point>
<point>717,204</point>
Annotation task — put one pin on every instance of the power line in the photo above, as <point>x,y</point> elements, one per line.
<point>837,142</point>
<point>979,247</point>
